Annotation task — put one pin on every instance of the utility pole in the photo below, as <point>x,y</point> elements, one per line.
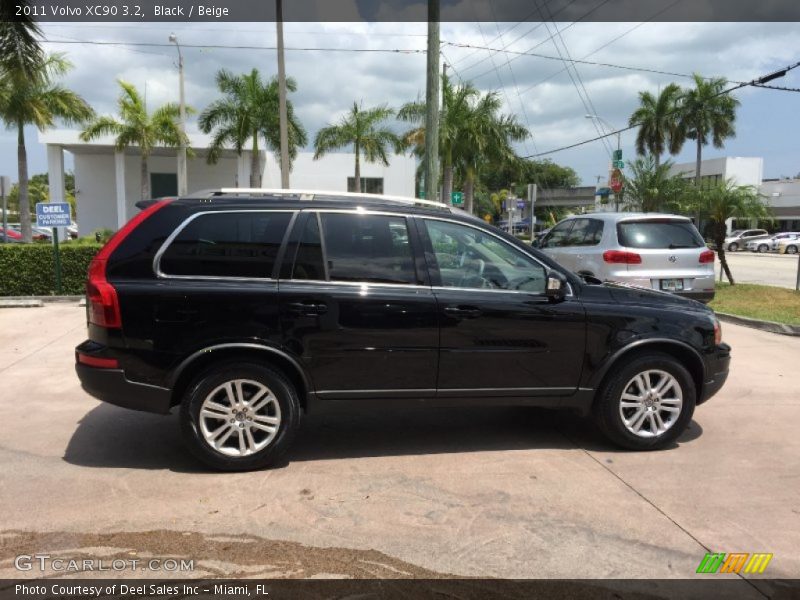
<point>182,178</point>
<point>432,105</point>
<point>284,125</point>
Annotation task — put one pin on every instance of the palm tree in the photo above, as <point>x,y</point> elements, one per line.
<point>365,131</point>
<point>724,201</point>
<point>20,52</point>
<point>249,110</point>
<point>472,134</point>
<point>659,123</point>
<point>708,115</point>
<point>651,188</point>
<point>137,127</point>
<point>36,99</point>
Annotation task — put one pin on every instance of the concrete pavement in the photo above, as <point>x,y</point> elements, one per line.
<point>516,493</point>
<point>764,269</point>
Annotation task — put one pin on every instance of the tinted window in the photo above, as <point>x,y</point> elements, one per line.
<point>585,232</point>
<point>558,235</point>
<point>659,234</point>
<point>371,248</point>
<point>227,245</point>
<point>470,258</point>
<point>308,263</point>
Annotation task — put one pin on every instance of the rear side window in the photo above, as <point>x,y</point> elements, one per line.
<point>659,234</point>
<point>369,248</point>
<point>585,232</point>
<point>309,263</point>
<point>227,245</point>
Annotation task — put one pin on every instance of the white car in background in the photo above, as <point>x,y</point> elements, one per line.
<point>737,240</point>
<point>656,251</point>
<point>771,244</point>
<point>789,246</point>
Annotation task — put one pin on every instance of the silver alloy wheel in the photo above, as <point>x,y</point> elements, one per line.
<point>791,249</point>
<point>651,403</point>
<point>763,248</point>
<point>240,417</point>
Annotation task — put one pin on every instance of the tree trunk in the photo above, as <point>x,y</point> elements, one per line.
<point>357,182</point>
<point>657,158</point>
<point>469,191</point>
<point>145,178</point>
<point>719,240</point>
<point>24,203</point>
<point>447,185</point>
<point>255,164</point>
<point>697,176</point>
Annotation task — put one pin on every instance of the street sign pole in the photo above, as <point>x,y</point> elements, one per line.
<point>57,260</point>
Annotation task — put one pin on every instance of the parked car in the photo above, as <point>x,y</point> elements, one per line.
<point>771,244</point>
<point>738,239</point>
<point>245,310</point>
<point>662,252</point>
<point>72,230</point>
<point>13,235</point>
<point>789,246</point>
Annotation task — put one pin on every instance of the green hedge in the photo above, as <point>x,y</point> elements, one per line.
<point>28,269</point>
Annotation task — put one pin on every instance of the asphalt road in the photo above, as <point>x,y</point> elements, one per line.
<point>765,269</point>
<point>515,493</point>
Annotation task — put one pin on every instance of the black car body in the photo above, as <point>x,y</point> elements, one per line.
<point>348,297</point>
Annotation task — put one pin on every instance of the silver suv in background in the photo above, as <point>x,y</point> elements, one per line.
<point>656,251</point>
<point>737,240</point>
<point>771,244</point>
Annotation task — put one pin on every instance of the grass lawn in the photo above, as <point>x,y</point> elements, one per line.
<point>762,302</point>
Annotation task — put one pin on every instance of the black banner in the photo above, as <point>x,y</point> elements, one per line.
<point>404,10</point>
<point>711,588</point>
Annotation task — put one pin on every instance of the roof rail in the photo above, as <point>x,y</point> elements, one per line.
<point>319,195</point>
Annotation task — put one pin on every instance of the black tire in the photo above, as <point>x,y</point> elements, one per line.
<point>733,247</point>
<point>607,412</point>
<point>763,248</point>
<point>289,416</point>
<point>791,249</point>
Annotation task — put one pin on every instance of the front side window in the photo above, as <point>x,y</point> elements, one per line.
<point>368,248</point>
<point>241,244</point>
<point>470,258</point>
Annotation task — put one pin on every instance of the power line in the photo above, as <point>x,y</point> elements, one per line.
<point>759,82</point>
<point>242,47</point>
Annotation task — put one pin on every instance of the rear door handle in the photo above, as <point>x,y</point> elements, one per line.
<point>309,309</point>
<point>463,312</point>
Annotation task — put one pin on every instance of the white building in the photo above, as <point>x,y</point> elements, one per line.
<point>742,170</point>
<point>108,182</point>
<point>783,196</point>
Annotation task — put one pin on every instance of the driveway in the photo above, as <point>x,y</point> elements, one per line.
<point>515,493</point>
<point>765,269</point>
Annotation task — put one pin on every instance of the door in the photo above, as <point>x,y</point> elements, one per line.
<point>554,244</point>
<point>499,336</point>
<point>356,308</point>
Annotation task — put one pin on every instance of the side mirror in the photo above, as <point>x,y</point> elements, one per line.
<point>536,243</point>
<point>557,284</point>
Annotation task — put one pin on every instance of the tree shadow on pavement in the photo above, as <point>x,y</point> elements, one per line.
<point>112,437</point>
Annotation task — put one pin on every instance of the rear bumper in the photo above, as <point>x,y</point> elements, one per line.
<point>702,296</point>
<point>717,368</point>
<point>111,385</point>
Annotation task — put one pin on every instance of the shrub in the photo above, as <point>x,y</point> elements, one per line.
<point>28,269</point>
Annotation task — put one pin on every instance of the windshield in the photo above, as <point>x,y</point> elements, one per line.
<point>659,234</point>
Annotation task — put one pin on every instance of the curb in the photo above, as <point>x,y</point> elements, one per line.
<point>21,303</point>
<point>39,301</point>
<point>769,326</point>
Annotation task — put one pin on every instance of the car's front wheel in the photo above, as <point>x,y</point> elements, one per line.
<point>239,417</point>
<point>763,248</point>
<point>791,249</point>
<point>733,247</point>
<point>647,403</point>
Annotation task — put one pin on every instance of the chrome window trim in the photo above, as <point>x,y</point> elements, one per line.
<point>163,248</point>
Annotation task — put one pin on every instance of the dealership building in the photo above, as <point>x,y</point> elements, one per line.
<point>108,181</point>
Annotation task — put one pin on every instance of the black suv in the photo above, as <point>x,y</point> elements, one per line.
<point>247,308</point>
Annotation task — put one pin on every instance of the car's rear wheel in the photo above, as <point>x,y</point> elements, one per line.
<point>647,403</point>
<point>733,247</point>
<point>791,249</point>
<point>763,248</point>
<point>240,417</point>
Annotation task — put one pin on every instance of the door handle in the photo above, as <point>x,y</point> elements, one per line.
<point>309,309</point>
<point>462,312</point>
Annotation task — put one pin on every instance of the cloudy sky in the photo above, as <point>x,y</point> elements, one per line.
<point>551,100</point>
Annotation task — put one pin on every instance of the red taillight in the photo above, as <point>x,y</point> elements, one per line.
<point>621,257</point>
<point>706,256</point>
<point>101,297</point>
<point>717,332</point>
<point>100,363</point>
